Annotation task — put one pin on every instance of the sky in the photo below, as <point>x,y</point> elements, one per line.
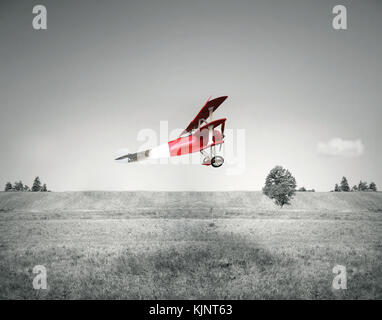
<point>105,73</point>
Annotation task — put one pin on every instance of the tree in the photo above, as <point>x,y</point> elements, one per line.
<point>337,188</point>
<point>362,186</point>
<point>44,188</point>
<point>280,185</point>
<point>26,188</point>
<point>302,189</point>
<point>8,187</point>
<point>18,186</point>
<point>344,185</point>
<point>373,186</point>
<point>354,188</point>
<point>36,185</point>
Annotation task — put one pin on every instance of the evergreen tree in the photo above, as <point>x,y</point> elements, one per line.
<point>345,185</point>
<point>36,185</point>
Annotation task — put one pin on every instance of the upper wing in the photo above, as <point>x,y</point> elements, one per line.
<point>204,113</point>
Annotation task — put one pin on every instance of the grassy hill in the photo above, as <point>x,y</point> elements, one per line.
<point>120,201</point>
<point>190,245</point>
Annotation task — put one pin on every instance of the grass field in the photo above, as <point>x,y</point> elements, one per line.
<point>98,245</point>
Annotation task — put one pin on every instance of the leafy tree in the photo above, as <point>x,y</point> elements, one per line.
<point>373,186</point>
<point>36,185</point>
<point>362,186</point>
<point>8,187</point>
<point>44,188</point>
<point>18,186</point>
<point>344,185</point>
<point>26,188</point>
<point>280,185</point>
<point>337,188</point>
<point>354,188</point>
<point>302,189</point>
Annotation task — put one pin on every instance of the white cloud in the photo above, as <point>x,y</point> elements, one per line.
<point>341,148</point>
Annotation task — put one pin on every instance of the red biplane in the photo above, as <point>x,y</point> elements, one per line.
<point>202,133</point>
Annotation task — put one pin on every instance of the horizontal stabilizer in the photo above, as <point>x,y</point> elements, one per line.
<point>161,151</point>
<point>134,157</point>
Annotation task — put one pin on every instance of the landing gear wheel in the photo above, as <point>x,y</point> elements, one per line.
<point>217,161</point>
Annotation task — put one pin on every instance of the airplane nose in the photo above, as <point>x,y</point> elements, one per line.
<point>124,157</point>
<point>121,154</point>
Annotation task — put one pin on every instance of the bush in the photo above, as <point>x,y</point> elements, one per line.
<point>8,187</point>
<point>280,185</point>
<point>373,186</point>
<point>303,189</point>
<point>18,186</point>
<point>362,186</point>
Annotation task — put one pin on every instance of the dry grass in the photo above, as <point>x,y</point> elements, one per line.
<point>285,257</point>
